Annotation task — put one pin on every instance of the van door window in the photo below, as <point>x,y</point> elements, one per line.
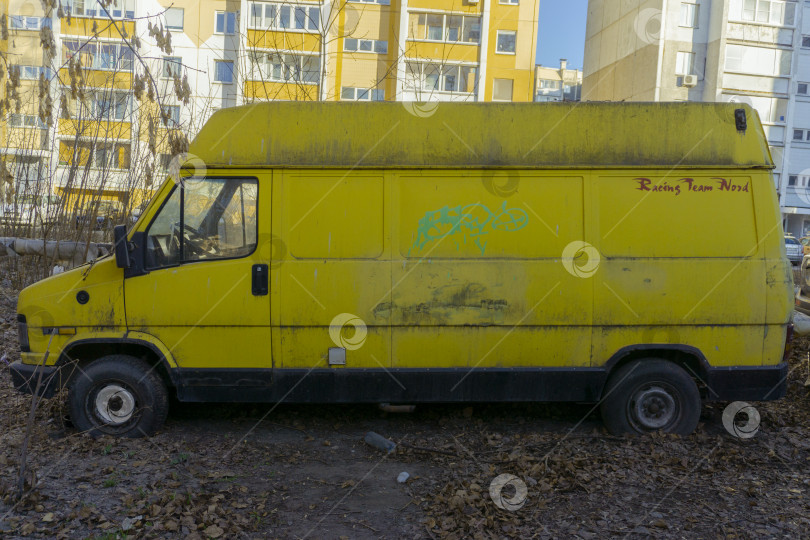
<point>205,219</point>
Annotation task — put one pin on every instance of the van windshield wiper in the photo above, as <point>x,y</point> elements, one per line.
<point>93,263</point>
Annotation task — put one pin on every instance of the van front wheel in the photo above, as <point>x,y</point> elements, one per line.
<point>118,395</point>
<point>651,395</point>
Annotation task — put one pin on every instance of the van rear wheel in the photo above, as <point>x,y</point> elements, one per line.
<point>118,395</point>
<point>651,395</point>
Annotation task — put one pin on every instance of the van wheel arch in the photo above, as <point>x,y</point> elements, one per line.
<point>690,359</point>
<point>89,350</point>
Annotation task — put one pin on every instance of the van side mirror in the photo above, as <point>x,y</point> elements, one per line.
<point>121,246</point>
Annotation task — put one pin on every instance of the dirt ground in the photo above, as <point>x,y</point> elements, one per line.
<point>227,471</point>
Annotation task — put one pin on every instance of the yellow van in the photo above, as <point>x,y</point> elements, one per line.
<point>630,255</point>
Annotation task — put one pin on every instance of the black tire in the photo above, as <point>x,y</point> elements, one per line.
<point>651,395</point>
<point>118,395</point>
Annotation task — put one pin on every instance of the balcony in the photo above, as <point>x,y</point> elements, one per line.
<point>105,29</point>
<point>770,35</point>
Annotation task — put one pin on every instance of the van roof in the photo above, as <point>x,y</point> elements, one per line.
<point>489,135</point>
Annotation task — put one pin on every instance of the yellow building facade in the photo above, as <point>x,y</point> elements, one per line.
<point>383,50</point>
<point>185,59</point>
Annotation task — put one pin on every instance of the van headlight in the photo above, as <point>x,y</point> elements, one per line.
<point>22,329</point>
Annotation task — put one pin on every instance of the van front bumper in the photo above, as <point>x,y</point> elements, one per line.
<point>26,377</point>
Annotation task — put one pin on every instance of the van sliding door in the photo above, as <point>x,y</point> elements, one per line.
<point>480,282</point>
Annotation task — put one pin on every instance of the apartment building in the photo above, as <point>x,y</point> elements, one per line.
<point>24,159</point>
<point>69,127</point>
<point>470,50</point>
<point>557,84</point>
<point>224,53</point>
<point>6,178</point>
<point>754,51</point>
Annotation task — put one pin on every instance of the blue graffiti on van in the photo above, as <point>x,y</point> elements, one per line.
<point>473,221</point>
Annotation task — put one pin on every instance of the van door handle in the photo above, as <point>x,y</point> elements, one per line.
<point>260,280</point>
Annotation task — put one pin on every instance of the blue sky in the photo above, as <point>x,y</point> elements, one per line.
<point>561,32</point>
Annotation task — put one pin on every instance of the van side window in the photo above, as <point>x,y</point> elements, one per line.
<point>205,219</point>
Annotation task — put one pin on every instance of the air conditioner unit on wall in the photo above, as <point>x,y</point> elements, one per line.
<point>690,81</point>
<point>472,1</point>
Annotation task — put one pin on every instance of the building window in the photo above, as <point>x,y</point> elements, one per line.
<point>223,71</point>
<point>365,45</point>
<point>31,72</point>
<point>734,58</point>
<point>30,170</point>
<point>447,28</point>
<point>348,93</point>
<point>163,161</point>
<point>550,85</point>
<point>103,106</point>
<point>798,134</point>
<point>689,15</point>
<point>763,11</point>
<point>23,22</point>
<point>758,60</point>
<point>793,179</point>
<point>685,63</point>
<point>442,78</point>
<point>283,16</point>
<point>96,155</point>
<point>509,2</point>
<point>174,18</point>
<point>772,109</point>
<point>110,156</point>
<point>435,27</point>
<point>502,89</point>
<point>506,41</point>
<point>381,2</point>
<point>802,89</point>
<point>171,114</point>
<point>106,56</point>
<point>172,67</point>
<point>26,120</point>
<point>806,42</point>
<point>286,67</point>
<point>226,22</point>
<point>117,9</point>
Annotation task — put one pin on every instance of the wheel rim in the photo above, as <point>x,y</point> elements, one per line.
<point>654,407</point>
<point>114,406</point>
